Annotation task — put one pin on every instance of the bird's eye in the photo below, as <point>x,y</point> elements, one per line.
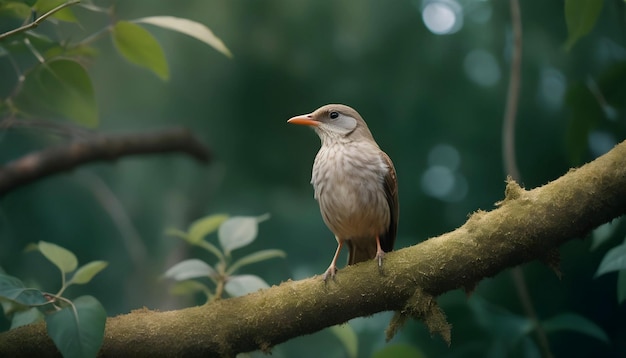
<point>333,115</point>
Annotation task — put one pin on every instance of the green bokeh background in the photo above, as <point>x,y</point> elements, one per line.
<point>416,92</point>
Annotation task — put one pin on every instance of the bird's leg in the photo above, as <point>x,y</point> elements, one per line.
<point>379,252</point>
<point>332,269</point>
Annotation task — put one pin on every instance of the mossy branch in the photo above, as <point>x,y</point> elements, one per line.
<point>525,226</point>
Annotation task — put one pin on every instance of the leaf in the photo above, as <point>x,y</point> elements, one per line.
<point>580,17</point>
<point>86,272</point>
<point>614,260</point>
<point>62,258</point>
<point>347,337</point>
<point>255,257</point>
<point>399,351</point>
<point>191,268</point>
<point>22,318</point>
<point>13,289</point>
<point>237,232</point>
<point>243,284</point>
<point>506,327</point>
<point>60,87</point>
<point>176,233</point>
<point>576,323</point>
<point>603,233</point>
<point>189,28</point>
<point>78,333</point>
<point>200,228</point>
<point>138,46</point>
<point>15,9</point>
<point>188,287</point>
<point>66,14</point>
<point>29,2</point>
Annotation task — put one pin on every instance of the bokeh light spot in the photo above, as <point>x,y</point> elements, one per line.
<point>442,17</point>
<point>552,88</point>
<point>438,181</point>
<point>482,68</point>
<point>601,142</point>
<point>444,155</point>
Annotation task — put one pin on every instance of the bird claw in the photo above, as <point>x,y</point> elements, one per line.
<point>379,257</point>
<point>331,271</point>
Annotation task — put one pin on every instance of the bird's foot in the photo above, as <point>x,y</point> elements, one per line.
<point>330,272</point>
<point>379,257</point>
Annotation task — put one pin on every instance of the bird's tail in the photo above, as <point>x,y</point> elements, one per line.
<point>359,252</point>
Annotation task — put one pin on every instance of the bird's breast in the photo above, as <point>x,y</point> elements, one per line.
<point>348,184</point>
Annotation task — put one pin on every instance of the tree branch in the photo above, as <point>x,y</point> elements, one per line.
<point>527,225</point>
<point>49,161</point>
<point>38,20</point>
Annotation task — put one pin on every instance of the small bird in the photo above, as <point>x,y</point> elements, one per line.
<point>355,184</point>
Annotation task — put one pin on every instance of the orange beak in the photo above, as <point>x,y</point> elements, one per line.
<point>305,120</point>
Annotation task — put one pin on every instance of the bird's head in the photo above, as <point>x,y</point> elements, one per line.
<point>334,122</point>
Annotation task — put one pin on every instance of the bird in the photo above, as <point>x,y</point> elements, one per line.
<point>355,184</point>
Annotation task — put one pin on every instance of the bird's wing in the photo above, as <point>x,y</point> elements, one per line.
<point>390,185</point>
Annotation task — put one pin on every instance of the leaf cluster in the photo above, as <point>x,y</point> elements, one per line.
<point>232,233</point>
<point>58,84</point>
<point>75,326</point>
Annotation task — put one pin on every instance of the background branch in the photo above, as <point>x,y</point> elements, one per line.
<point>49,161</point>
<point>511,167</point>
<point>527,225</point>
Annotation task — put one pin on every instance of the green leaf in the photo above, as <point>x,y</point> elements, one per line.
<point>237,232</point>
<point>191,268</point>
<point>176,233</point>
<point>621,287</point>
<point>603,233</point>
<point>82,52</point>
<point>255,257</point>
<point>13,289</point>
<point>243,284</point>
<point>66,14</point>
<point>188,287</point>
<point>60,87</point>
<point>62,258</point>
<point>86,272</point>
<point>78,332</point>
<point>200,228</point>
<point>506,327</point>
<point>22,318</point>
<point>15,9</point>
<point>189,28</point>
<point>399,351</point>
<point>576,323</point>
<point>347,337</point>
<point>138,46</point>
<point>614,260</point>
<point>580,17</point>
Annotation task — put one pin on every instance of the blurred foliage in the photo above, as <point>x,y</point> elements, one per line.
<point>434,103</point>
<point>76,326</point>
<point>233,233</point>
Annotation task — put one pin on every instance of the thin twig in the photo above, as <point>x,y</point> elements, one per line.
<point>508,129</point>
<point>512,170</point>
<point>38,20</point>
<point>113,206</point>
<point>58,128</point>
